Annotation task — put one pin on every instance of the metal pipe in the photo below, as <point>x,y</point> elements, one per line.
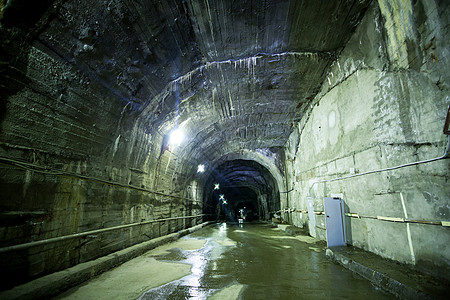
<point>40,169</point>
<point>446,155</point>
<point>82,234</point>
<point>381,218</point>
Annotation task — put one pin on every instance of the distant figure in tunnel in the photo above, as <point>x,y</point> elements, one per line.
<point>242,214</point>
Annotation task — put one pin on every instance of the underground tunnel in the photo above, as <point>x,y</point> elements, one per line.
<point>241,188</point>
<point>126,122</point>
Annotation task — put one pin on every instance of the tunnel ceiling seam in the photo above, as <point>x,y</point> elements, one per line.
<point>239,62</point>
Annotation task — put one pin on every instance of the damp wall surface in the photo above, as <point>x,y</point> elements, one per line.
<point>75,157</point>
<point>383,104</point>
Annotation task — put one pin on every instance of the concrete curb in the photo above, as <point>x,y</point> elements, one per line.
<point>54,284</point>
<point>379,279</point>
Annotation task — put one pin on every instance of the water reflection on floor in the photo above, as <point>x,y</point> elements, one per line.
<point>256,261</point>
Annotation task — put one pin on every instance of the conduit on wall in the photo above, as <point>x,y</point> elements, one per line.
<point>446,155</point>
<point>88,233</point>
<point>381,218</point>
<point>391,219</point>
<point>44,170</point>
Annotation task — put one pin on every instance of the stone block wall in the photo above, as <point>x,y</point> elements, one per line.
<point>382,105</point>
<point>74,156</point>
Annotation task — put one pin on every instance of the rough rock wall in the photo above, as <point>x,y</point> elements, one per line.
<point>383,104</point>
<point>74,156</point>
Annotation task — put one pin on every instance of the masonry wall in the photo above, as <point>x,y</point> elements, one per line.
<point>75,157</point>
<point>383,104</point>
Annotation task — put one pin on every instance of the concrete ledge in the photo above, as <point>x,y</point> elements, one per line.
<point>54,284</point>
<point>392,277</point>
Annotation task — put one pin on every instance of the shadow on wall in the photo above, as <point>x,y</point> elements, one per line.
<point>14,58</point>
<point>16,18</point>
<point>348,225</point>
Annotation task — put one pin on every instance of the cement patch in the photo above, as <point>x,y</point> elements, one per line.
<point>125,281</point>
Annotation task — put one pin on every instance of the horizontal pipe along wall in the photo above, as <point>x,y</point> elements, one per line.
<point>73,159</point>
<point>375,136</point>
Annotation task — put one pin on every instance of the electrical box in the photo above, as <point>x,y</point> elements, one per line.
<point>334,216</point>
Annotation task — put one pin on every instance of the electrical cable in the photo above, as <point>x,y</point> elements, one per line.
<point>444,156</point>
<point>45,170</point>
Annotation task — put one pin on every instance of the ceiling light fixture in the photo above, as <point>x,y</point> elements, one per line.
<point>201,168</point>
<point>176,137</point>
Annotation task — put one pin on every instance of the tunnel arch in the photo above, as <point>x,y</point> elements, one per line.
<point>248,179</point>
<point>271,159</point>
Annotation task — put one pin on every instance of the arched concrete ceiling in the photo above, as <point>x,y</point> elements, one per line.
<point>254,68</point>
<point>236,74</point>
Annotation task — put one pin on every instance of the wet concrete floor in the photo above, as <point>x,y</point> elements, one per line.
<point>227,261</point>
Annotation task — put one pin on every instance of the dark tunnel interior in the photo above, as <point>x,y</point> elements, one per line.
<point>240,188</point>
<point>109,108</point>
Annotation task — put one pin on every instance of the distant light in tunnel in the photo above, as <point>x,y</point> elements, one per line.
<point>201,168</point>
<point>176,137</point>
<point>216,186</point>
<point>222,197</point>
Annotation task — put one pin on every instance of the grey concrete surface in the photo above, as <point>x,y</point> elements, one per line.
<point>53,284</point>
<point>275,99</point>
<point>231,261</point>
<point>382,105</point>
<point>400,280</point>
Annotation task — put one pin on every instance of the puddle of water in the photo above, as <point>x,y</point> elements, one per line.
<point>230,262</point>
<point>195,285</point>
<point>257,262</point>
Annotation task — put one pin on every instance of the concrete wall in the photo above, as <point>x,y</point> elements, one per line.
<point>87,101</point>
<point>383,104</point>
<point>76,157</point>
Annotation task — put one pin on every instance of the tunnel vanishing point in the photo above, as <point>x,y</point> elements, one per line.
<point>123,121</point>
